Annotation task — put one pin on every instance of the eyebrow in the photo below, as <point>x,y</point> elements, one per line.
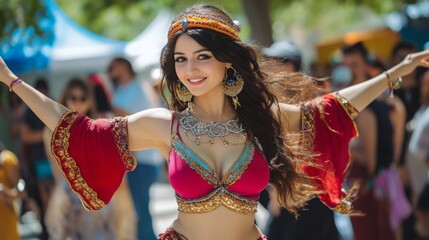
<point>198,51</point>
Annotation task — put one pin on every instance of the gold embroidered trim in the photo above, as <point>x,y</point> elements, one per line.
<point>67,164</point>
<point>233,175</point>
<point>307,124</point>
<point>345,207</point>
<point>120,135</point>
<point>218,197</point>
<point>348,108</point>
<point>204,173</point>
<point>193,21</point>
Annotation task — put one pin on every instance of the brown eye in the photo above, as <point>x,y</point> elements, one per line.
<point>180,59</point>
<point>203,57</point>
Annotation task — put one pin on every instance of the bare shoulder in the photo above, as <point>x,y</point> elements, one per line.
<point>150,128</point>
<point>290,116</point>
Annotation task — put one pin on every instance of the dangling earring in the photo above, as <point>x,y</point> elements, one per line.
<point>232,85</point>
<point>184,95</point>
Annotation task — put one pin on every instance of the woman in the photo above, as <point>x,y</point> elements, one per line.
<point>65,217</point>
<point>225,140</point>
<point>373,155</point>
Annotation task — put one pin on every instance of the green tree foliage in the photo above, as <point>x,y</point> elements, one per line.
<point>21,14</point>
<point>124,19</point>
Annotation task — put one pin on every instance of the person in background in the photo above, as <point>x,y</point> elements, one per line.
<point>216,81</point>
<point>316,216</point>
<point>40,180</point>
<point>355,57</point>
<point>371,153</point>
<point>10,190</point>
<point>341,77</point>
<point>101,95</point>
<point>409,93</point>
<point>397,110</point>
<point>65,217</point>
<point>16,114</point>
<point>418,148</point>
<point>131,96</point>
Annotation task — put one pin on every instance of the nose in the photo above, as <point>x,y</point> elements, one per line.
<point>192,68</point>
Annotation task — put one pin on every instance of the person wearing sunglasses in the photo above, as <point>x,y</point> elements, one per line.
<point>226,134</point>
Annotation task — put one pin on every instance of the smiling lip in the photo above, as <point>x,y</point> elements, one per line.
<point>196,81</point>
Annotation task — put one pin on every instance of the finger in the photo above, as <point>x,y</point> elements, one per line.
<point>422,54</point>
<point>425,62</point>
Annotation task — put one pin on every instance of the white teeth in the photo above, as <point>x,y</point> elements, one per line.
<point>196,80</point>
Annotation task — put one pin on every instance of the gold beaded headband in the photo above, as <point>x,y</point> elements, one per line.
<point>190,21</point>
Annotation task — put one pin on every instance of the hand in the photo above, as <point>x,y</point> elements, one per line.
<point>6,75</point>
<point>411,61</point>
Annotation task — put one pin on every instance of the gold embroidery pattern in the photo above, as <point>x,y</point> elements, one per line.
<point>204,173</point>
<point>235,174</point>
<point>345,207</point>
<point>59,148</point>
<point>120,135</point>
<point>348,108</point>
<point>218,197</point>
<point>307,123</point>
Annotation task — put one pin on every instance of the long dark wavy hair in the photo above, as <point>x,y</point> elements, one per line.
<point>282,150</point>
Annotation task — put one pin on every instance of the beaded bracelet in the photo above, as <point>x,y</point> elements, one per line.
<point>14,82</point>
<point>393,85</point>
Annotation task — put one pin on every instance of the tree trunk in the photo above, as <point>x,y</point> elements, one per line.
<point>258,14</point>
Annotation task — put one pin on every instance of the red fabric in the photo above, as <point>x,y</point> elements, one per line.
<point>87,154</point>
<point>253,180</point>
<point>331,130</point>
<point>374,225</point>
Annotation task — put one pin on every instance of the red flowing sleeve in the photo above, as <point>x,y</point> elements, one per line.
<point>328,127</point>
<point>93,156</point>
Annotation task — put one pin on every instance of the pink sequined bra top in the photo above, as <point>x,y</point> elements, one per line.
<point>199,189</point>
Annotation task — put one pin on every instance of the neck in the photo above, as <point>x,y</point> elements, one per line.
<point>213,108</point>
<point>125,79</point>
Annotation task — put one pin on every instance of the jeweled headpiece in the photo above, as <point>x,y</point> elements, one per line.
<point>193,21</point>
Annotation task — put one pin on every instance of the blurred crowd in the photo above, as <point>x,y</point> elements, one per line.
<point>28,157</point>
<point>388,174</point>
<point>390,158</point>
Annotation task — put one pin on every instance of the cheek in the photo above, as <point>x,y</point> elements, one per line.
<point>69,103</point>
<point>180,71</point>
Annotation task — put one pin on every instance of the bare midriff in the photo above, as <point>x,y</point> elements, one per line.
<point>221,223</point>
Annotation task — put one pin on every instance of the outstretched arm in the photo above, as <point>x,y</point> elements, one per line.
<point>360,95</point>
<point>45,108</point>
<point>327,127</point>
<point>147,129</point>
<point>94,155</point>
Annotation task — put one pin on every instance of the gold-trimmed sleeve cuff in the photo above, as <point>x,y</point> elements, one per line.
<point>328,127</point>
<point>347,106</point>
<point>92,155</point>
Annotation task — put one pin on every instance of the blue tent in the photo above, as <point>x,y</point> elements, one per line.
<point>24,51</point>
<point>78,49</point>
<point>70,47</point>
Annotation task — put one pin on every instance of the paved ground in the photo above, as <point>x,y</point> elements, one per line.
<point>164,211</point>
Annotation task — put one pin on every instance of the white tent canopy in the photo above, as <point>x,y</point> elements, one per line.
<point>77,49</point>
<point>145,50</point>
